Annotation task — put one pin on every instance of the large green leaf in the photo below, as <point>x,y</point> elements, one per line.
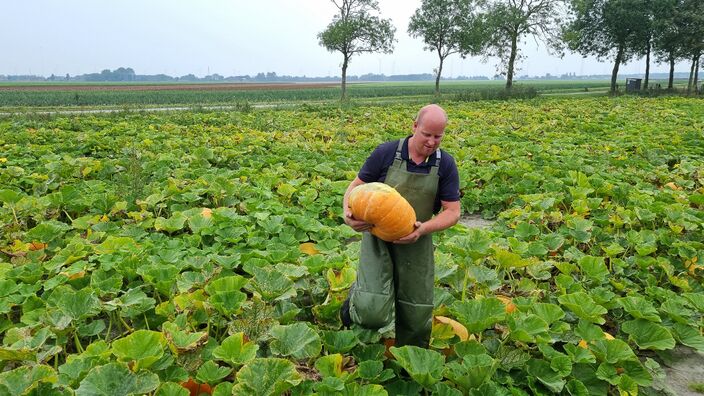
<point>471,372</point>
<point>583,306</point>
<point>183,340</point>
<point>172,389</point>
<point>612,351</point>
<point>211,373</point>
<point>266,377</point>
<point>144,347</point>
<point>235,351</point>
<point>116,379</point>
<point>47,231</point>
<point>546,375</point>
<point>339,341</point>
<point>639,308</point>
<point>23,379</point>
<point>528,328</point>
<point>174,223</point>
<point>479,315</point>
<point>648,335</point>
<point>548,312</point>
<point>689,336</point>
<point>423,365</point>
<point>594,268</point>
<point>297,340</point>
<point>271,284</point>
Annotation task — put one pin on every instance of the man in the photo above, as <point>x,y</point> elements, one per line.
<point>396,278</point>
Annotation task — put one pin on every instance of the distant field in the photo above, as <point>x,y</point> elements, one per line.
<point>15,95</point>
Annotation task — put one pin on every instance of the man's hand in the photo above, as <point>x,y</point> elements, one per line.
<point>357,225</point>
<point>412,237</point>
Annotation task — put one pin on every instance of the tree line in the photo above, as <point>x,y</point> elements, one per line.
<point>663,31</point>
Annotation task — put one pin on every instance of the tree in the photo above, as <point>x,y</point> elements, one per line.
<point>508,21</point>
<point>667,35</point>
<point>691,21</point>
<point>447,27</point>
<point>607,29</point>
<point>355,30</point>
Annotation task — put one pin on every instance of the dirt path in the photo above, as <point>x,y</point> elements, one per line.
<point>475,221</point>
<point>684,367</point>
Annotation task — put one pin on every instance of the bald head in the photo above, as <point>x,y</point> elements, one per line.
<point>432,113</point>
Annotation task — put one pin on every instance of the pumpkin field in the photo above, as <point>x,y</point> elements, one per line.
<point>192,252</point>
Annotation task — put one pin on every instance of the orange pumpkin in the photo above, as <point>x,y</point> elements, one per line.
<point>382,206</point>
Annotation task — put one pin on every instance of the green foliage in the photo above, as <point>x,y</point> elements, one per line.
<point>598,236</point>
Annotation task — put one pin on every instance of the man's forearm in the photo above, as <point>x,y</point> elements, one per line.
<point>443,220</point>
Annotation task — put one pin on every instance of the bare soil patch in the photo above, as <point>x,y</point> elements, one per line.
<point>475,221</point>
<point>165,87</point>
<point>684,367</point>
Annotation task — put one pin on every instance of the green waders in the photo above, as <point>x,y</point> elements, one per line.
<point>397,279</point>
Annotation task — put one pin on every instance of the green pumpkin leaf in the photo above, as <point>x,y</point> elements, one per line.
<point>546,375</point>
<point>479,315</point>
<point>266,377</point>
<point>235,351</point>
<point>271,284</point>
<point>47,231</point>
<point>174,223</point>
<point>423,365</point>
<point>115,379</point>
<point>548,312</point>
<point>612,351</point>
<point>172,389</point>
<point>143,346</point>
<point>211,373</point>
<point>339,341</point>
<point>355,389</point>
<point>223,389</point>
<point>528,328</point>
<point>639,308</point>
<point>297,340</point>
<point>22,379</point>
<point>648,335</point>
<point>183,340</point>
<point>331,366</point>
<point>689,336</point>
<point>508,259</point>
<point>594,268</point>
<point>9,196</point>
<point>583,306</point>
<point>341,280</point>
<point>471,372</point>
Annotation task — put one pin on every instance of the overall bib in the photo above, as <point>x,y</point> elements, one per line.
<point>397,280</point>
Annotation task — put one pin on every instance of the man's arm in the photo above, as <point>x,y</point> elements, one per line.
<point>448,216</point>
<point>356,225</point>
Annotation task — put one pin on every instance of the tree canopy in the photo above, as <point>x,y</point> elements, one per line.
<point>509,21</point>
<point>447,27</point>
<point>354,30</point>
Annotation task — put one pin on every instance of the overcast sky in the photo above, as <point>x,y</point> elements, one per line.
<point>228,37</point>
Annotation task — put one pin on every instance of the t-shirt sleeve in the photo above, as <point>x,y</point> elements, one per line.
<point>450,182</point>
<point>373,167</point>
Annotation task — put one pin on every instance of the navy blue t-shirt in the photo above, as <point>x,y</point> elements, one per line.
<point>379,161</point>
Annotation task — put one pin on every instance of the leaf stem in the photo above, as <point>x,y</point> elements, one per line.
<point>79,347</point>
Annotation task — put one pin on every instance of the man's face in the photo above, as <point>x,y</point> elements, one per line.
<point>427,136</point>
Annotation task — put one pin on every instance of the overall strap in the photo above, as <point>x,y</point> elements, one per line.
<point>398,161</point>
<point>436,166</point>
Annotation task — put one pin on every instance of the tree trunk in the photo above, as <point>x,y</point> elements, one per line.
<point>614,73</point>
<point>511,61</point>
<point>691,75</point>
<point>670,82</point>
<point>696,76</point>
<point>437,77</point>
<point>647,67</point>
<point>343,86</point>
